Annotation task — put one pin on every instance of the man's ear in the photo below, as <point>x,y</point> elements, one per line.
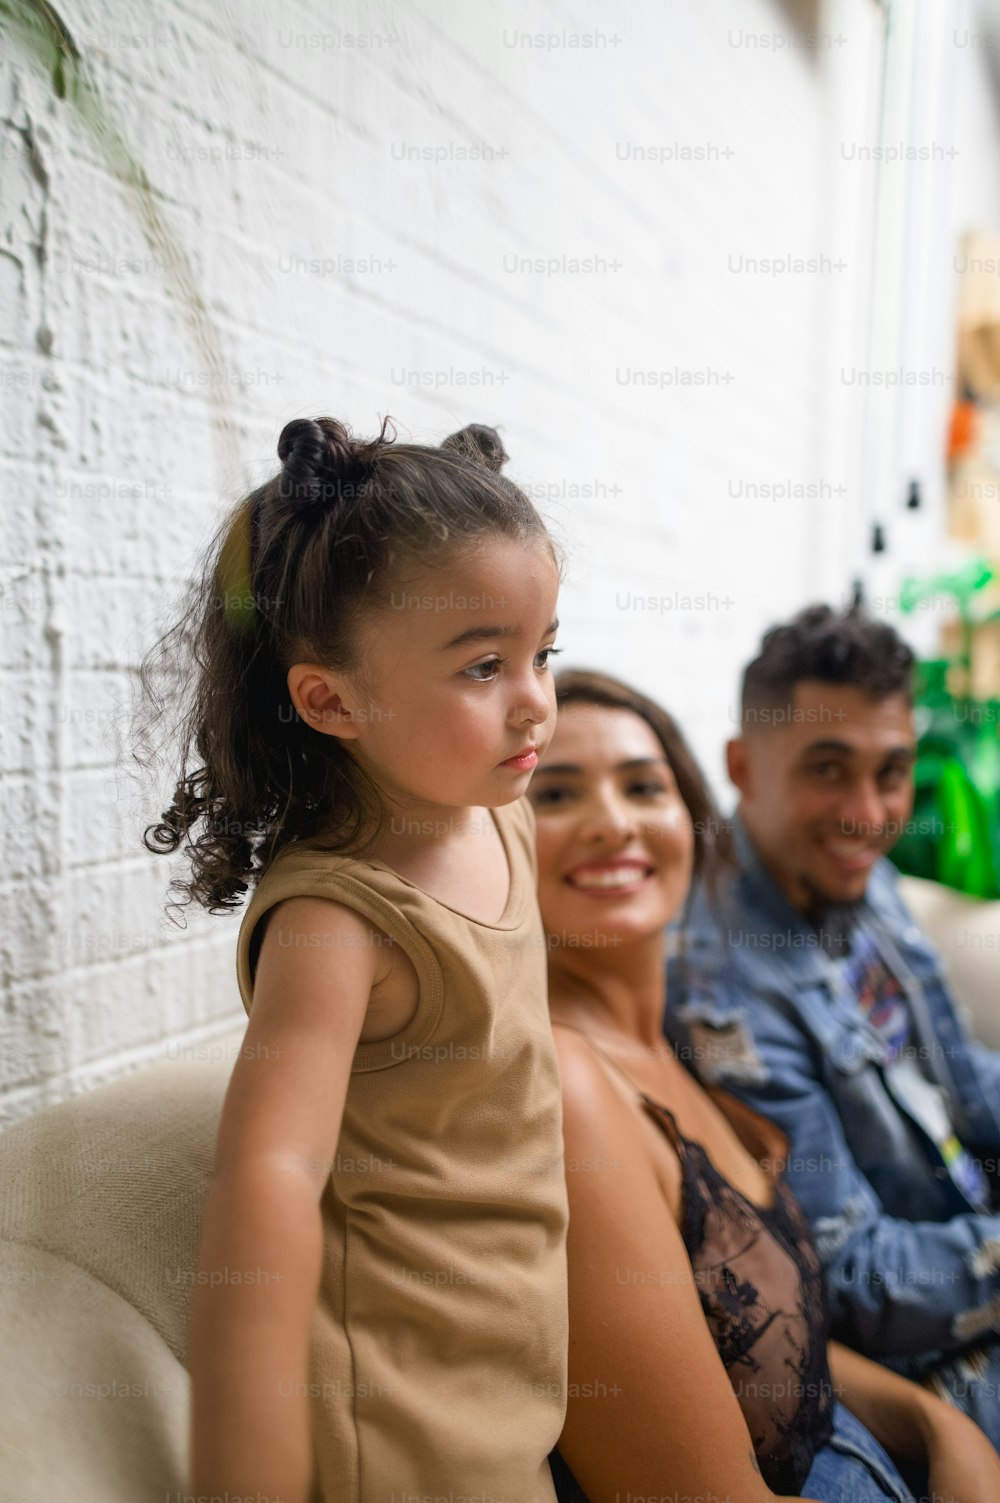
<point>738,764</point>
<point>322,700</point>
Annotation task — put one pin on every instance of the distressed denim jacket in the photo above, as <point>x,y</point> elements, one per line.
<point>755,1004</point>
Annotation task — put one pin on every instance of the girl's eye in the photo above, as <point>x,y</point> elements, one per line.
<point>496,663</point>
<point>651,786</point>
<point>474,670</point>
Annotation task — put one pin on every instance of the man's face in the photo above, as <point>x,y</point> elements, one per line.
<point>827,787</point>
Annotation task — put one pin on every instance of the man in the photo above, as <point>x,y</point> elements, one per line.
<point>804,987</point>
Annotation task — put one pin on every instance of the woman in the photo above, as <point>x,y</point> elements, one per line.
<point>698,1362</point>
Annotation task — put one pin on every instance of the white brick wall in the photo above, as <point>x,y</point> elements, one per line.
<point>267,140</point>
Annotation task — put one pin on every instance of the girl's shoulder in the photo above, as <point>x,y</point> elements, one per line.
<point>310,869</point>
<point>313,869</point>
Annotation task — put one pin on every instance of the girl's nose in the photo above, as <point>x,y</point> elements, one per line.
<point>532,705</point>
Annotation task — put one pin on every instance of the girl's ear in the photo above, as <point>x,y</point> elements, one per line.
<point>320,697</point>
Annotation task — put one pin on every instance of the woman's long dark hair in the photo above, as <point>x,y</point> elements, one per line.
<point>295,573</point>
<point>713,847</point>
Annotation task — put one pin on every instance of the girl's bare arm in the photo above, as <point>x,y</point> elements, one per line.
<point>260,1254</point>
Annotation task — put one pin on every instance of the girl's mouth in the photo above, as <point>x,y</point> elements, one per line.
<point>524,762</point>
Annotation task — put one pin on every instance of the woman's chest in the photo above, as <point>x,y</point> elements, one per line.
<point>698,1119</point>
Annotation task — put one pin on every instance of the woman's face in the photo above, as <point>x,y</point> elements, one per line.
<point>614,837</point>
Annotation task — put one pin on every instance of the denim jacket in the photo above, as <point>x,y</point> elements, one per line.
<point>755,1004</point>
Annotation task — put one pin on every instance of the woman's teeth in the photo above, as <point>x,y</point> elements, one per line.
<point>623,876</point>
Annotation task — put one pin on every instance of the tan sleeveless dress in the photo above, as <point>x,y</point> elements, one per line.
<point>439,1343</point>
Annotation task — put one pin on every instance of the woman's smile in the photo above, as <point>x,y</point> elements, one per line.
<point>614,838</point>
<point>610,878</point>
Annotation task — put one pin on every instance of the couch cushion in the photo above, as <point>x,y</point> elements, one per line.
<point>95,1406</point>
<point>115,1181</point>
<point>966,931</point>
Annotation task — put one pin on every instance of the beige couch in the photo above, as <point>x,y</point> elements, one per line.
<point>101,1207</point>
<point>98,1243</point>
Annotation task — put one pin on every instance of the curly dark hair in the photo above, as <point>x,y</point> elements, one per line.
<point>296,572</point>
<point>836,647</point>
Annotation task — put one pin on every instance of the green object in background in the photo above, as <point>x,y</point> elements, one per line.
<point>954,834</point>
<point>965,857</point>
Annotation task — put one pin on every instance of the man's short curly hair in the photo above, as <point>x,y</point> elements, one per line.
<point>836,647</point>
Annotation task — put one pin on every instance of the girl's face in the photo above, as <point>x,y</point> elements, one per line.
<point>614,837</point>
<point>457,681</point>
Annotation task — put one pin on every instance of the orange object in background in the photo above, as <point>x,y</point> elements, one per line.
<point>962,431</point>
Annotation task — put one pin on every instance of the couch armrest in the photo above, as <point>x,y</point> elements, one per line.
<point>966,931</point>
<point>94,1403</point>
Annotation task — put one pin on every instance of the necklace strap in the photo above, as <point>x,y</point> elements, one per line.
<point>558,1023</point>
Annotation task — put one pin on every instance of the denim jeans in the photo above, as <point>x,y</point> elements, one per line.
<point>853,1467</point>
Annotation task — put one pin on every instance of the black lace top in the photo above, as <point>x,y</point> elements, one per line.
<point>758,1277</point>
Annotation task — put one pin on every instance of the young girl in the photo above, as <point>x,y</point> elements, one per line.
<point>380,1307</point>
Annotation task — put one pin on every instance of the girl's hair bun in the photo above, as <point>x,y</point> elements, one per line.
<point>319,460</point>
<point>480,444</point>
